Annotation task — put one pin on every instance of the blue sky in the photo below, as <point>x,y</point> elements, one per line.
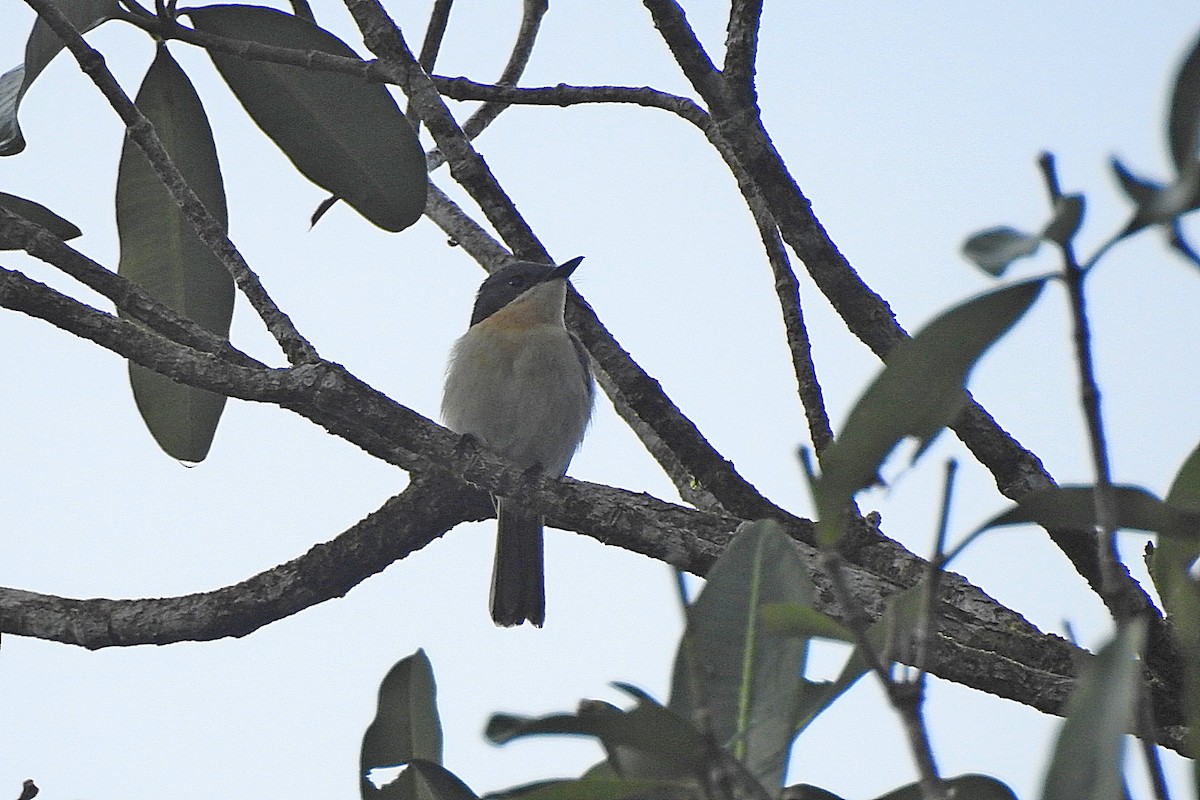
<point>909,127</point>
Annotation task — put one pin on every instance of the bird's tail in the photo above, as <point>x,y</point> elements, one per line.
<point>518,592</point>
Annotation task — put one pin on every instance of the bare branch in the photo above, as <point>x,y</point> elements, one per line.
<point>741,47</point>
<point>126,295</point>
<point>531,22</point>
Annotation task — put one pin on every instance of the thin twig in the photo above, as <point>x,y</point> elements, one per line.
<point>435,31</point>
<point>211,232</point>
<point>129,297</point>
<point>518,60</point>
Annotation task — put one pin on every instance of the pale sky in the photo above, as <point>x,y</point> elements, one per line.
<point>908,126</point>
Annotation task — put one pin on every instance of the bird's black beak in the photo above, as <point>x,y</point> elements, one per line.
<point>564,271</point>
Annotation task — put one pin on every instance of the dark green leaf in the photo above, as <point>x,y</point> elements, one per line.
<point>731,670</point>
<point>433,782</point>
<point>994,249</point>
<point>1068,214</point>
<point>1183,122</point>
<point>790,619</point>
<point>1075,507</point>
<point>920,390</point>
<point>406,728</point>
<point>1100,712</point>
<point>604,788</point>
<point>805,791</point>
<point>344,134</point>
<point>675,746</point>
<point>161,251</point>
<point>964,787</point>
<point>40,49</point>
<point>35,212</point>
<point>1171,570</point>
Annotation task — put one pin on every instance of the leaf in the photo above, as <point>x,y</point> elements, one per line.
<point>40,49</point>
<point>344,134</point>
<point>35,212</point>
<point>1140,190</point>
<point>918,392</point>
<point>602,788</point>
<point>1171,567</point>
<point>964,787</point>
<point>1068,215</point>
<point>1183,119</point>
<point>806,791</point>
<point>731,670</point>
<point>1100,712</point>
<point>675,746</point>
<point>789,619</point>
<point>1074,507</point>
<point>406,729</point>
<point>424,780</point>
<point>994,249</point>
<point>161,251</point>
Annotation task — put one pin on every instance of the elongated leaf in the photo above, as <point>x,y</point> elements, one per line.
<point>40,49</point>
<point>918,392</point>
<point>161,251</point>
<point>995,249</point>
<point>344,134</point>
<point>964,787</point>
<point>804,621</point>
<point>607,788</point>
<point>1183,120</point>
<point>406,728</point>
<point>1075,507</point>
<point>36,212</point>
<point>731,670</point>
<point>1100,712</point>
<point>424,780</point>
<point>1171,568</point>
<point>674,746</point>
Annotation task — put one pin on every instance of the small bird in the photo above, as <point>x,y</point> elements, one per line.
<point>521,383</point>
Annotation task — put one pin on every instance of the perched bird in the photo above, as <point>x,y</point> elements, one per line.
<point>521,383</point>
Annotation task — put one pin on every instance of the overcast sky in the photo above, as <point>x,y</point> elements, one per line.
<point>908,126</point>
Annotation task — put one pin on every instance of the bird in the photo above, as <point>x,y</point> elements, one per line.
<point>521,383</point>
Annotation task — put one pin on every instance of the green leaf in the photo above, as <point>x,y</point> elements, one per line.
<point>806,791</point>
<point>1100,712</point>
<point>1171,570</point>
<point>918,392</point>
<point>161,251</point>
<point>423,780</point>
<point>40,49</point>
<point>35,212</point>
<point>594,787</point>
<point>964,787</point>
<point>1068,215</point>
<point>731,671</point>
<point>1183,119</point>
<point>790,619</point>
<point>344,134</point>
<point>406,729</point>
<point>995,249</point>
<point>674,745</point>
<point>1075,507</point>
